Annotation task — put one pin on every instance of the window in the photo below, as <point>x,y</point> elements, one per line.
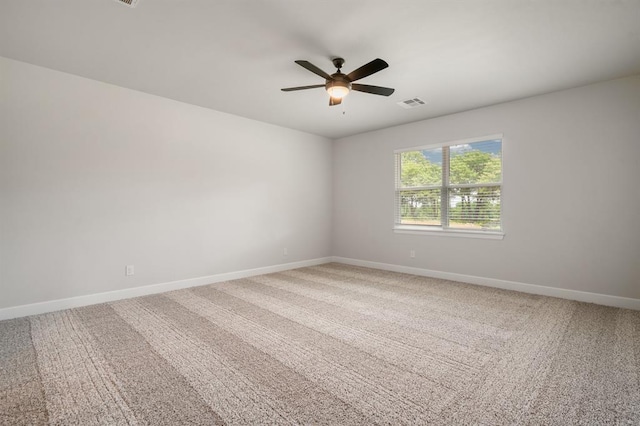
<point>454,187</point>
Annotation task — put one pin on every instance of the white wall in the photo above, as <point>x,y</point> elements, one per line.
<point>577,150</point>
<point>94,177</point>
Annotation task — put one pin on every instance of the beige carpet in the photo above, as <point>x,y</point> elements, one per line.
<point>331,344</point>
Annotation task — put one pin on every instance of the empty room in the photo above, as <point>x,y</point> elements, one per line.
<point>244,212</point>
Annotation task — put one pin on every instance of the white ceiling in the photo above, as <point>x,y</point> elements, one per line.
<point>235,55</point>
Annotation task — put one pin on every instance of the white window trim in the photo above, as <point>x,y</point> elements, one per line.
<point>451,142</point>
<point>437,230</point>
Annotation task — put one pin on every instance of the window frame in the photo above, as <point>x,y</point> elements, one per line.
<point>444,187</point>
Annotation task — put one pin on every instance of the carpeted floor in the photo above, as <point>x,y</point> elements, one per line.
<point>331,344</point>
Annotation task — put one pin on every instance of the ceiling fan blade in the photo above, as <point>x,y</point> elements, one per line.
<point>291,89</point>
<point>335,101</point>
<point>367,69</point>
<point>308,65</point>
<point>376,90</point>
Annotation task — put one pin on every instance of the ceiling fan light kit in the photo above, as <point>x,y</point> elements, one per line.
<point>338,88</point>
<point>338,85</point>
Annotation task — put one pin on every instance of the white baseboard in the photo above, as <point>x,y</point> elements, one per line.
<point>92,299</point>
<point>110,296</point>
<point>580,296</point>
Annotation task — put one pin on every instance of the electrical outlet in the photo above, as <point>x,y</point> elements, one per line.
<point>129,270</point>
<point>285,251</point>
<point>412,254</point>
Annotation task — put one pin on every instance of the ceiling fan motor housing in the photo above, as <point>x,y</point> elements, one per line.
<point>338,79</point>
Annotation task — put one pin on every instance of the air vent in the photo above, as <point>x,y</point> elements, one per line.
<point>130,3</point>
<point>412,103</point>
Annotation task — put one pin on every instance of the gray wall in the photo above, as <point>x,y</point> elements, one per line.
<point>94,177</point>
<point>576,151</point>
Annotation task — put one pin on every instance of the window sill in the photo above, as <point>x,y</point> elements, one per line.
<point>420,230</point>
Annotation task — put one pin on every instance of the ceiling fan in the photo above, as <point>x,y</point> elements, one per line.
<point>338,85</point>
